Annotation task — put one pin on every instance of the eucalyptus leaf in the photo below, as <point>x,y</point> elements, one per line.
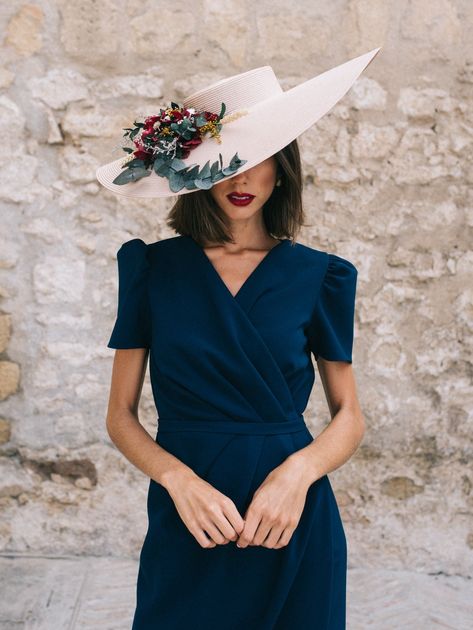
<point>192,172</point>
<point>135,163</point>
<point>205,172</point>
<point>228,171</point>
<point>200,121</point>
<point>204,184</point>
<point>214,169</point>
<point>164,170</point>
<point>178,165</point>
<point>131,175</point>
<point>158,163</point>
<point>176,182</point>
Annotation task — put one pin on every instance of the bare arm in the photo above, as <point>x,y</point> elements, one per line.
<point>210,516</point>
<point>342,436</point>
<point>124,427</point>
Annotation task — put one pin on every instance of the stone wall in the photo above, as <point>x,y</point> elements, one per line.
<point>388,185</point>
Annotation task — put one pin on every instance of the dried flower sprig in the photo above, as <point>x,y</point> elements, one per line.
<point>162,141</point>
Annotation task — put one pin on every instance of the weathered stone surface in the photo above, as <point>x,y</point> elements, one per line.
<point>5,430</point>
<point>9,378</point>
<point>5,330</point>
<point>59,279</point>
<point>59,87</point>
<point>24,30</point>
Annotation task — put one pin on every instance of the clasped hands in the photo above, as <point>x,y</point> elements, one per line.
<point>269,521</point>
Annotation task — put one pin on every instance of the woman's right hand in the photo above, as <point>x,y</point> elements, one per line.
<point>203,509</point>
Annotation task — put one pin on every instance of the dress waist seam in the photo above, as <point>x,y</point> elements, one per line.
<point>232,426</point>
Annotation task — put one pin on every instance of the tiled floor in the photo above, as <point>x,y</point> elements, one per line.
<point>88,593</point>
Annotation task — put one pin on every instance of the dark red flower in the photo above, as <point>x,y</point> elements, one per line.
<point>192,143</point>
<point>141,155</point>
<point>176,115</point>
<point>150,120</point>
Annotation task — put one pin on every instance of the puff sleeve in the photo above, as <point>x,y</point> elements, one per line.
<point>132,327</point>
<point>331,328</point>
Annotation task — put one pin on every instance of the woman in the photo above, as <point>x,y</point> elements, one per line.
<point>244,529</point>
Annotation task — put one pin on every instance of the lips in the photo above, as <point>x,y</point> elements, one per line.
<point>240,196</point>
<point>240,199</point>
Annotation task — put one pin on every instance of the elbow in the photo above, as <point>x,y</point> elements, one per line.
<point>118,422</point>
<point>361,426</point>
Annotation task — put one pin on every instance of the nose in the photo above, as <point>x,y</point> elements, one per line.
<point>239,178</point>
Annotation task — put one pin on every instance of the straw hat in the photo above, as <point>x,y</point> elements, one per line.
<point>227,127</point>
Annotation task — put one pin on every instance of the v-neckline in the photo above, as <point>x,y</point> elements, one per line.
<point>248,279</point>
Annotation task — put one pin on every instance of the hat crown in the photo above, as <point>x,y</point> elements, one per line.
<point>237,92</point>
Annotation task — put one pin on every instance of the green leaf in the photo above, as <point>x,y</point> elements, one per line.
<point>135,163</point>
<point>192,172</point>
<point>214,170</point>
<point>159,161</point>
<point>228,170</point>
<point>222,111</point>
<point>177,165</point>
<point>204,184</point>
<point>200,121</point>
<point>176,182</point>
<point>131,175</point>
<point>205,172</point>
<point>163,170</point>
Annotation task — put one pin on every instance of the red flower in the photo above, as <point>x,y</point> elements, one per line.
<point>150,120</point>
<point>176,115</point>
<point>141,155</point>
<point>191,144</point>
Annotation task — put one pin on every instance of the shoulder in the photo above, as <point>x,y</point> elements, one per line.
<point>136,248</point>
<point>330,263</point>
<point>133,247</point>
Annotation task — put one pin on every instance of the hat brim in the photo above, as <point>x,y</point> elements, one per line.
<point>265,129</point>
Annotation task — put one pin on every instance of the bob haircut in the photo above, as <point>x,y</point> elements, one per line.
<point>199,216</point>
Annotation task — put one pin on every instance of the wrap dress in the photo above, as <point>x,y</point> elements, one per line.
<point>231,377</point>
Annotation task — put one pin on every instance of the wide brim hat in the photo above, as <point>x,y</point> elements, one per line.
<point>262,120</point>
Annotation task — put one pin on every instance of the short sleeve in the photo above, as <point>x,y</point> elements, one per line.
<point>331,329</point>
<point>132,327</point>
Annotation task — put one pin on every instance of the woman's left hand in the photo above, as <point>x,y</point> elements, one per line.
<point>276,506</point>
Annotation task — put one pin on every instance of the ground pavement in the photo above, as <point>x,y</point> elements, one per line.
<point>89,593</point>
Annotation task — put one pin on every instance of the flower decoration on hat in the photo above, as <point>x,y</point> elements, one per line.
<point>163,140</point>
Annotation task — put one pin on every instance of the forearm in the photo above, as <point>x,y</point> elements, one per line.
<point>137,445</point>
<point>332,447</point>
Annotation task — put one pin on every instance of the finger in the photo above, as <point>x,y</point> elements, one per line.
<point>233,516</point>
<point>247,535</point>
<point>274,535</point>
<point>285,538</point>
<point>202,538</point>
<point>214,532</point>
<point>263,530</point>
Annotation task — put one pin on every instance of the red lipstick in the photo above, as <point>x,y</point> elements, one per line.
<point>240,199</point>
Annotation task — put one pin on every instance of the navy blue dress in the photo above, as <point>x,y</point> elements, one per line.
<point>231,377</point>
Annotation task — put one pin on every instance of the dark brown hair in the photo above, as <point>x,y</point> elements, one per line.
<point>198,215</point>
